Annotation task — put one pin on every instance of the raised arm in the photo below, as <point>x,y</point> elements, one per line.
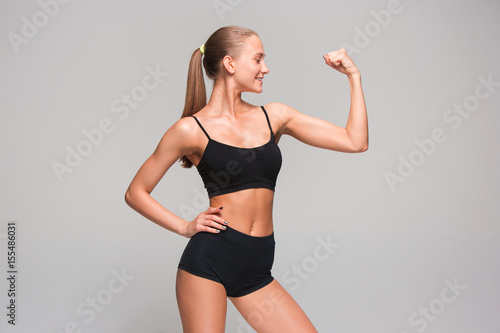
<point>176,142</point>
<point>323,134</point>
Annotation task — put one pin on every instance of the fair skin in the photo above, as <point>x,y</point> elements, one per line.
<point>230,120</point>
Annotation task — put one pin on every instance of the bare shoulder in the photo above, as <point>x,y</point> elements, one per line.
<point>175,143</point>
<point>181,137</point>
<point>281,114</point>
<point>281,110</point>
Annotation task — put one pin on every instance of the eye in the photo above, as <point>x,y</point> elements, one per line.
<point>258,61</point>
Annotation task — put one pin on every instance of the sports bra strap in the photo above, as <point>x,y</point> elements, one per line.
<point>268,122</point>
<point>201,126</point>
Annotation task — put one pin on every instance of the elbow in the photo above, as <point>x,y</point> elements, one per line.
<point>359,148</point>
<point>134,196</point>
<point>357,143</point>
<point>129,197</point>
<point>362,149</point>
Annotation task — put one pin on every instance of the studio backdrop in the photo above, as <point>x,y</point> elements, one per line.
<point>402,238</point>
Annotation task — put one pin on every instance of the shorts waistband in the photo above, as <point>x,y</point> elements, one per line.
<point>244,240</point>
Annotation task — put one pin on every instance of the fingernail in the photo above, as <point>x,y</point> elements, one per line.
<point>218,230</point>
<point>221,207</point>
<point>226,222</point>
<point>224,227</point>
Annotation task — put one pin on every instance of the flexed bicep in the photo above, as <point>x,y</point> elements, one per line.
<point>317,132</point>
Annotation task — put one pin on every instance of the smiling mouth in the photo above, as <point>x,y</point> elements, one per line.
<point>259,79</point>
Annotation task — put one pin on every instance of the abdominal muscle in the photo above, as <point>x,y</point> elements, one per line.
<point>248,211</point>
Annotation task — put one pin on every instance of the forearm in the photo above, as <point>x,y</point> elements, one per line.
<point>144,204</point>
<point>357,122</point>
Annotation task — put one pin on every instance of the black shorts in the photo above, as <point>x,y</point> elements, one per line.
<point>240,262</point>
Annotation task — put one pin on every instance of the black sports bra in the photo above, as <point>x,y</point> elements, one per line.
<point>226,169</point>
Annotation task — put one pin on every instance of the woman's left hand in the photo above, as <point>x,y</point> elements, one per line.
<point>341,61</point>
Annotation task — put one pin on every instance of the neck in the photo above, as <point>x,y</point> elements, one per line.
<point>225,99</point>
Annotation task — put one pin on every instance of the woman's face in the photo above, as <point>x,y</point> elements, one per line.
<point>249,68</point>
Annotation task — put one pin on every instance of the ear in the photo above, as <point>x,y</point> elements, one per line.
<point>228,64</point>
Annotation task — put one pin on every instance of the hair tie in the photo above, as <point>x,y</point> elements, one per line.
<point>202,49</point>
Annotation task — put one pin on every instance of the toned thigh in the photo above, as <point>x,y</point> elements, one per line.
<point>202,303</point>
<point>271,309</point>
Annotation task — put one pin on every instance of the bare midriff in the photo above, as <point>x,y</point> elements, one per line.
<point>248,211</point>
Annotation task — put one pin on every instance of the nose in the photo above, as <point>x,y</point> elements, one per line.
<point>264,69</point>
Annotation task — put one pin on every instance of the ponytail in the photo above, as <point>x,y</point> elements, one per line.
<point>196,95</point>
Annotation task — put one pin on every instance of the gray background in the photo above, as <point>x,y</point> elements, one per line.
<point>398,247</point>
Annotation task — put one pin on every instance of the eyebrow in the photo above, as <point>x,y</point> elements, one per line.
<point>261,54</point>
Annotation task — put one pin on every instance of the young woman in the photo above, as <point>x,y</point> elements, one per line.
<point>233,144</point>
